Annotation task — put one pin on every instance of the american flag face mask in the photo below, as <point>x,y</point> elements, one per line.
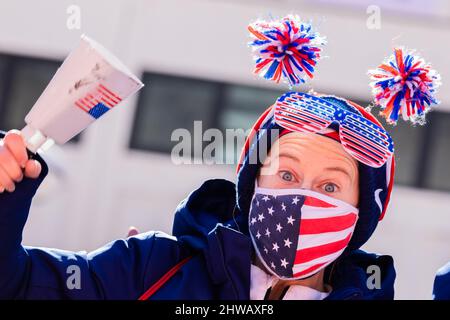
<point>298,232</point>
<point>361,138</point>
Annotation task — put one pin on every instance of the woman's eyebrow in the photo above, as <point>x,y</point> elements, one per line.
<point>288,155</point>
<point>340,169</point>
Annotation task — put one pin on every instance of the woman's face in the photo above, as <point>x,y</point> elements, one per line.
<point>314,162</point>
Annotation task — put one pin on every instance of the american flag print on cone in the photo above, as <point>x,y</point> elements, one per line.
<point>99,101</point>
<point>298,232</point>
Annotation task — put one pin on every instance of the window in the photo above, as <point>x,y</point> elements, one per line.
<point>436,153</point>
<point>242,105</point>
<point>22,80</point>
<point>170,102</point>
<point>167,103</point>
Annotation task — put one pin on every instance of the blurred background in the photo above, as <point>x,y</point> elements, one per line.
<point>193,57</point>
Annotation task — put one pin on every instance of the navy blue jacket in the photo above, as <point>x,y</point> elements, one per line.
<point>441,286</point>
<point>204,228</point>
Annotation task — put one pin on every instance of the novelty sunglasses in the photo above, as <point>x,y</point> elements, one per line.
<point>360,137</point>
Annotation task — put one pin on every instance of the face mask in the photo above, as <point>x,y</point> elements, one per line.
<point>298,232</point>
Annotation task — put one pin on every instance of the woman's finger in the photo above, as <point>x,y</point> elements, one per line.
<point>32,169</point>
<point>16,145</point>
<point>10,164</point>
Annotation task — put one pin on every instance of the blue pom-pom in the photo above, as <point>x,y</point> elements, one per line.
<point>287,48</point>
<point>404,84</point>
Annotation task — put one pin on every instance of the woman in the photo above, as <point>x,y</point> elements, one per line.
<point>290,228</point>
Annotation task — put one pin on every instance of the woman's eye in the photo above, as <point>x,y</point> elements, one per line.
<point>287,176</point>
<point>330,187</point>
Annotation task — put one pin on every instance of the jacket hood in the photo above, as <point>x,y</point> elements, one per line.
<point>212,204</point>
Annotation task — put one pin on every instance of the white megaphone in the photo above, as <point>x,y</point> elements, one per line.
<point>90,82</point>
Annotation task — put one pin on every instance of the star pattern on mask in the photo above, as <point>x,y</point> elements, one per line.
<point>275,247</point>
<point>287,242</point>
<point>284,263</point>
<point>275,222</point>
<point>279,227</point>
<point>290,220</point>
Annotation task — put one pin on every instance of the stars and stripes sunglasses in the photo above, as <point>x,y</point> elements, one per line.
<point>363,139</point>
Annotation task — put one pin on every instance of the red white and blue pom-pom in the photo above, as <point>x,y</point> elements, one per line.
<point>287,48</point>
<point>404,84</point>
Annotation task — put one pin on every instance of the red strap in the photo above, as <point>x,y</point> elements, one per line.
<point>158,284</point>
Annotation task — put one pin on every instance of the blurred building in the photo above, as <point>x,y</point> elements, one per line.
<point>194,60</point>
